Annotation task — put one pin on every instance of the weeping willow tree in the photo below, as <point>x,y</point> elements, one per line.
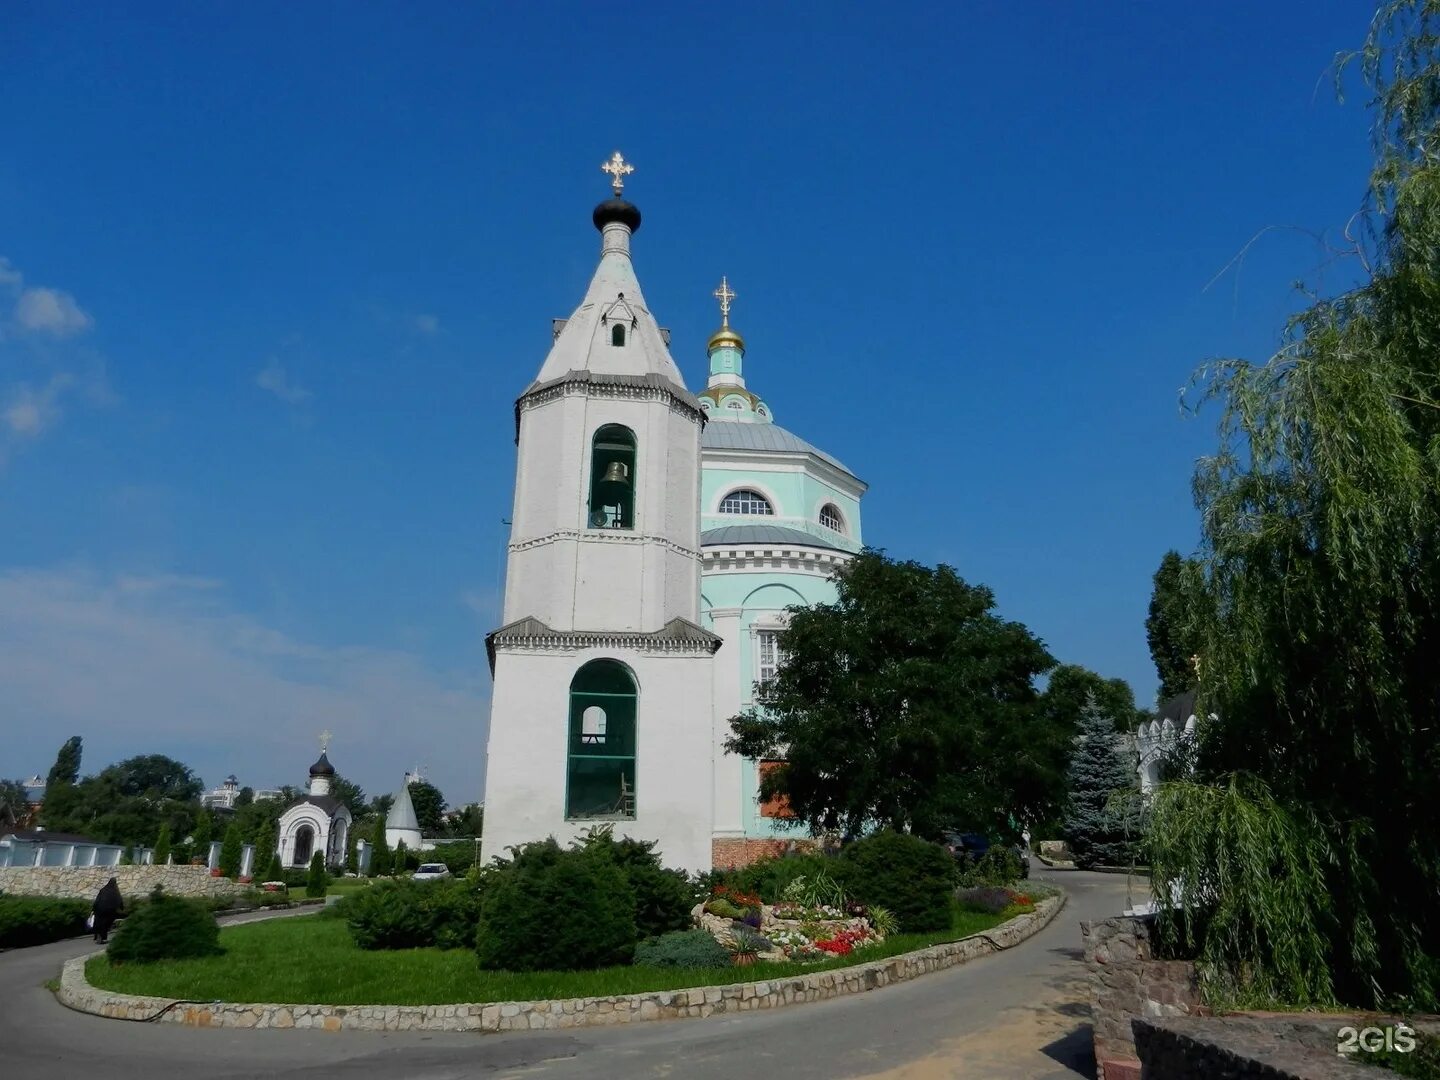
<point>1303,862</point>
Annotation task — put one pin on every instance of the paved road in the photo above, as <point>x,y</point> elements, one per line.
<point>1017,1015</point>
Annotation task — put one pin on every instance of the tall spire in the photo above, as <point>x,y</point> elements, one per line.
<point>725,396</point>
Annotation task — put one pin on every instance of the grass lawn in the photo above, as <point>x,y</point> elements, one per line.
<point>344,886</point>
<point>311,960</point>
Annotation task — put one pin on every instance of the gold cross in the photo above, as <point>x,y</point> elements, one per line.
<point>618,168</point>
<point>724,295</point>
<point>325,740</point>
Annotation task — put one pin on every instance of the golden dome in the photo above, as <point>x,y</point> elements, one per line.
<point>726,335</point>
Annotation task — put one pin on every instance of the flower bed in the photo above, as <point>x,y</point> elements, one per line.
<point>814,921</point>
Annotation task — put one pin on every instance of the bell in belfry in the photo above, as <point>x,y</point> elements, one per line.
<point>616,473</point>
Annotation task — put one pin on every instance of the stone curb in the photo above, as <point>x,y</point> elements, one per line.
<point>77,993</point>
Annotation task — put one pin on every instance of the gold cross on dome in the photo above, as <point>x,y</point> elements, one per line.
<point>325,737</point>
<point>724,294</point>
<point>618,168</point>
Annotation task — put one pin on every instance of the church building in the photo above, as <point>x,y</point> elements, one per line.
<point>317,821</point>
<point>656,540</point>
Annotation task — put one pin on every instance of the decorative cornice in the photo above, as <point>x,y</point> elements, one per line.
<point>761,556</point>
<point>626,387</point>
<point>604,536</point>
<point>530,635</point>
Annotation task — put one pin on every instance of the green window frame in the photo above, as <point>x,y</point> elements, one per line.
<point>612,479</point>
<point>600,743</point>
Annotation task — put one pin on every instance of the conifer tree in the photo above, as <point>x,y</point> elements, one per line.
<point>264,851</point>
<point>201,837</point>
<point>352,857</point>
<point>380,856</point>
<point>162,845</point>
<point>1094,830</point>
<point>317,881</point>
<point>231,852</point>
<point>273,870</point>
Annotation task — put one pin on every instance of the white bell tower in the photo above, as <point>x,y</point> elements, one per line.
<point>602,676</point>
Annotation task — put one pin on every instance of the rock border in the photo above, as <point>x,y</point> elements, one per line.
<point>77,993</point>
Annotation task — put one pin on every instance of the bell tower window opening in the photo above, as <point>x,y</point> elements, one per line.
<point>612,479</point>
<point>617,334</point>
<point>831,519</point>
<point>600,765</point>
<point>746,501</point>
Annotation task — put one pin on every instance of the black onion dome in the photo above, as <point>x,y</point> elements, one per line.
<point>322,767</point>
<point>616,209</point>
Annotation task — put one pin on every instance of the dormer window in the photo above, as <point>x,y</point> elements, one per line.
<point>746,501</point>
<point>831,519</point>
<point>617,334</point>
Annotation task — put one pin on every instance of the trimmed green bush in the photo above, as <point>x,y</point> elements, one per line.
<point>413,915</point>
<point>663,898</point>
<point>682,949</point>
<point>162,845</point>
<point>998,866</point>
<point>910,876</point>
<point>556,909</point>
<point>317,880</point>
<point>165,928</point>
<point>770,876</point>
<point>36,920</point>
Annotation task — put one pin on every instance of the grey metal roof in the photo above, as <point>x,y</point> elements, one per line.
<point>762,534</point>
<point>737,435</point>
<point>402,811</point>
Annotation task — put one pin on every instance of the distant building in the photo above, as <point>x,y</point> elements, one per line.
<point>223,797</point>
<point>1155,739</point>
<point>401,824</point>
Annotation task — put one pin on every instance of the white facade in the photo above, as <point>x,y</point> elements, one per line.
<point>318,821</point>
<point>595,576</point>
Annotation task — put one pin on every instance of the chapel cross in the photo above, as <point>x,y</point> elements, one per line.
<point>724,294</point>
<point>325,740</point>
<point>618,168</point>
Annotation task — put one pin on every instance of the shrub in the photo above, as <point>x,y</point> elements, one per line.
<point>162,845</point>
<point>998,866</point>
<point>909,876</point>
<point>689,949</point>
<point>413,915</point>
<point>724,909</point>
<point>556,909</point>
<point>165,928</point>
<point>770,876</point>
<point>231,852</point>
<point>317,881</point>
<point>381,861</point>
<point>35,920</point>
<point>663,898</point>
<point>986,899</point>
<point>458,855</point>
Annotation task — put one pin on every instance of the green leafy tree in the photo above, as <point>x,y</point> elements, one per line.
<point>352,856</point>
<point>429,807</point>
<point>467,821</point>
<point>1072,686</point>
<point>379,806</point>
<point>1173,625</point>
<point>317,880</point>
<point>380,860</point>
<point>906,703</point>
<point>162,845</point>
<point>245,798</point>
<point>66,769</point>
<point>14,806</point>
<point>1320,512</point>
<point>350,793</point>
<point>231,851</point>
<point>1100,776</point>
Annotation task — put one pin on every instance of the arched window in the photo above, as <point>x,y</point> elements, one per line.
<point>600,766</point>
<point>612,479</point>
<point>304,845</point>
<point>746,501</point>
<point>831,519</point>
<point>617,334</point>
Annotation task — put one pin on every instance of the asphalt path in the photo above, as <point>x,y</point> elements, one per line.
<point>1016,1015</point>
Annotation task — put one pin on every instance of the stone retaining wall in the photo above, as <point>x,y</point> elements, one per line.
<point>77,993</point>
<point>83,882</point>
<point>1127,981</point>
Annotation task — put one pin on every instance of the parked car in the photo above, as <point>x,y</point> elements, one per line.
<point>432,871</point>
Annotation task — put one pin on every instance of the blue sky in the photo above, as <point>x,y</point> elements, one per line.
<point>275,274</point>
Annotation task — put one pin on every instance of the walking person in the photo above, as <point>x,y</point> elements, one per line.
<point>108,907</point>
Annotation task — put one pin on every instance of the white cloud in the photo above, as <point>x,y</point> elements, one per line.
<point>273,378</point>
<point>161,663</point>
<point>10,278</point>
<point>50,311</point>
<point>427,324</point>
<point>29,410</point>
